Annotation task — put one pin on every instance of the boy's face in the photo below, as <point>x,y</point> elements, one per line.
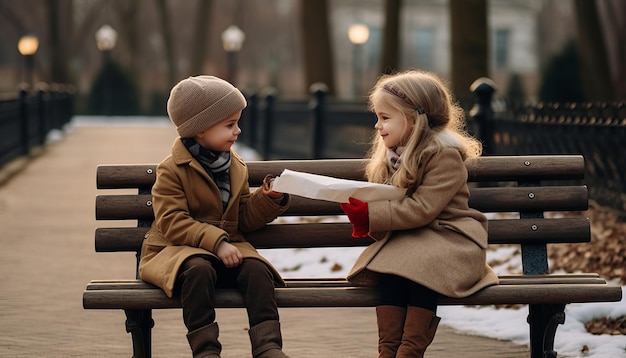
<point>221,136</point>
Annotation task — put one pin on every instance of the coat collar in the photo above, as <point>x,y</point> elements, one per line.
<point>180,154</point>
<point>238,170</point>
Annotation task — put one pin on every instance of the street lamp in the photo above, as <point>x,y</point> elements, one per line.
<point>106,38</point>
<point>27,46</point>
<point>358,35</point>
<point>232,40</point>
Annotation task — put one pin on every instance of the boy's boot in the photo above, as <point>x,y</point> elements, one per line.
<point>204,343</point>
<point>390,320</point>
<point>266,340</point>
<point>419,330</point>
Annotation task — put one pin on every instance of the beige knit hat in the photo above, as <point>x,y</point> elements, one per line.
<point>197,103</point>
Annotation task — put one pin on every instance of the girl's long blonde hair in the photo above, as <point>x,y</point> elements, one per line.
<point>433,121</point>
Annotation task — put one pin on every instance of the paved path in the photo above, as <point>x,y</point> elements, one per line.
<point>47,257</point>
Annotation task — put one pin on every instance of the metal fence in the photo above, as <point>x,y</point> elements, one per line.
<point>26,118</point>
<point>595,130</point>
<point>323,127</point>
<point>320,127</point>
<point>315,128</point>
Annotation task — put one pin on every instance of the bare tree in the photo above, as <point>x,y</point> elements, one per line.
<point>11,18</point>
<point>82,30</point>
<point>318,54</point>
<point>54,27</point>
<point>200,38</point>
<point>468,20</point>
<point>58,15</point>
<point>391,37</point>
<point>614,16</point>
<point>595,71</point>
<point>168,42</point>
<point>128,11</point>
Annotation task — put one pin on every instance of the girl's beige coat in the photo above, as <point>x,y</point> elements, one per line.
<point>432,237</point>
<point>190,220</point>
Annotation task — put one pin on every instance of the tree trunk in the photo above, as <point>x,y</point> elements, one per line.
<point>318,56</point>
<point>58,20</point>
<point>200,37</point>
<point>128,10</point>
<point>7,14</point>
<point>468,19</point>
<point>390,61</point>
<point>595,71</point>
<point>168,43</point>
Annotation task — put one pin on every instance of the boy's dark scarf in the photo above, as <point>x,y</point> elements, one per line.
<point>216,164</point>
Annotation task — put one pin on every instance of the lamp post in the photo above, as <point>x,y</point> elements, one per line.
<point>27,46</point>
<point>106,38</point>
<point>232,40</point>
<point>358,35</point>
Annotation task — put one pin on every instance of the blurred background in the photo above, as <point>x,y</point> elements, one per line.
<point>123,56</point>
<point>534,76</point>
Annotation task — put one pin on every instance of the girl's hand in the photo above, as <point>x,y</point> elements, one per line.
<point>229,254</point>
<point>358,214</point>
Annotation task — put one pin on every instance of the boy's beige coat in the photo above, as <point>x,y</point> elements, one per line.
<point>190,220</point>
<point>432,237</point>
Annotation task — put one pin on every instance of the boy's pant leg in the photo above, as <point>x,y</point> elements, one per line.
<point>256,283</point>
<point>197,279</point>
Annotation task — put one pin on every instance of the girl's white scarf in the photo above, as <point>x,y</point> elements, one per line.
<point>394,156</point>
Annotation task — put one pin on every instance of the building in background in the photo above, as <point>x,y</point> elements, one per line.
<point>524,34</point>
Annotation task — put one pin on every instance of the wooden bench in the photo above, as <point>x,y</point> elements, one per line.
<point>526,185</point>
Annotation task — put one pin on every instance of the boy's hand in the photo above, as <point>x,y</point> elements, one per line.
<point>358,213</point>
<point>268,181</point>
<point>229,254</point>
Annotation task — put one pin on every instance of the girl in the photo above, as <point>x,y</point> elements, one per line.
<point>430,242</point>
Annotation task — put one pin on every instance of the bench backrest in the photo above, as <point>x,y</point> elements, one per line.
<point>528,186</point>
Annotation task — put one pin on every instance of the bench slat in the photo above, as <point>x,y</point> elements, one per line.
<point>353,169</point>
<point>154,298</point>
<point>581,279</point>
<point>125,176</point>
<point>487,168</point>
<point>505,231</point>
<point>124,207</point>
<point>310,282</point>
<point>546,198</point>
<point>533,168</point>
<point>502,199</point>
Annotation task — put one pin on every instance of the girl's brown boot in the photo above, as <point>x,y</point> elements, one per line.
<point>390,320</point>
<point>419,330</point>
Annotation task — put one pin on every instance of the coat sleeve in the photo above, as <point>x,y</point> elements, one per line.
<point>257,209</point>
<point>173,217</point>
<point>444,174</point>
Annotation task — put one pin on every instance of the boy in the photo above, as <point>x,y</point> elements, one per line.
<point>202,207</point>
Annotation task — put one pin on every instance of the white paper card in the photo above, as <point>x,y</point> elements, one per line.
<point>322,187</point>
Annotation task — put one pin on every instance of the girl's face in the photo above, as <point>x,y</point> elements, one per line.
<point>221,136</point>
<point>391,124</point>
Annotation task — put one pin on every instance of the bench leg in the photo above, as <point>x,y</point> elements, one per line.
<point>139,324</point>
<point>543,321</point>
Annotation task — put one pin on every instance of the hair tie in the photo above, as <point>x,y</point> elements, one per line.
<point>398,93</point>
<point>420,111</point>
